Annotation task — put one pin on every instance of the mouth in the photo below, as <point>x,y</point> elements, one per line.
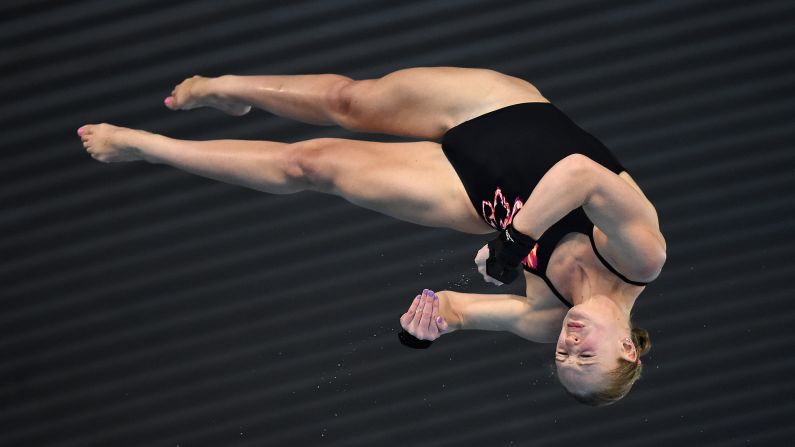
<point>574,325</point>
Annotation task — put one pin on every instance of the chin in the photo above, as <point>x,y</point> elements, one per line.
<point>580,311</point>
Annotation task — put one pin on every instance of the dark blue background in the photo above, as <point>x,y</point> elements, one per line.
<point>143,306</point>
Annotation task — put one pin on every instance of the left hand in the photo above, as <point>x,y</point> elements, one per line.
<point>422,319</point>
<point>480,261</point>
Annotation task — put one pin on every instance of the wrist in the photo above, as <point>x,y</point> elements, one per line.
<point>520,237</point>
<point>525,228</point>
<point>511,246</point>
<point>506,253</point>
<point>449,311</point>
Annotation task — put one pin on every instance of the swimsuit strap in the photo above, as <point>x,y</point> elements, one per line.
<point>557,294</point>
<point>551,287</point>
<point>610,267</point>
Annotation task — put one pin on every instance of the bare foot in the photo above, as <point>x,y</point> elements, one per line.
<point>199,91</point>
<point>108,143</point>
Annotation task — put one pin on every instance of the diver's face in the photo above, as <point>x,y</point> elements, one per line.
<point>590,343</point>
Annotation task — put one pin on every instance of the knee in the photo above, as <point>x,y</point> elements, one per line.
<point>310,165</point>
<point>343,99</point>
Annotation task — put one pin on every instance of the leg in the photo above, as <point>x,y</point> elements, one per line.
<point>417,102</point>
<point>414,183</point>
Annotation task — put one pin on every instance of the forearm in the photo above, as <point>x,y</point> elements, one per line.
<point>308,98</point>
<point>479,311</point>
<point>617,208</point>
<point>566,186</point>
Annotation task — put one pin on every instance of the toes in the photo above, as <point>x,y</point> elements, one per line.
<point>85,132</point>
<point>169,102</point>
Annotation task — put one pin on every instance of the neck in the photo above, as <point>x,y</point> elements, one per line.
<point>596,285</point>
<point>621,309</point>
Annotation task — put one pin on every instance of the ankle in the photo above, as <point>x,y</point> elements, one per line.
<point>133,141</point>
<point>224,87</point>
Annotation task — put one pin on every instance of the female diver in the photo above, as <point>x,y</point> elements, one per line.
<point>496,155</point>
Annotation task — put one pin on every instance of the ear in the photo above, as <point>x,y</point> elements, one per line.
<point>628,350</point>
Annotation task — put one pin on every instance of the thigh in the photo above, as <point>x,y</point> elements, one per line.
<point>413,182</point>
<point>426,102</point>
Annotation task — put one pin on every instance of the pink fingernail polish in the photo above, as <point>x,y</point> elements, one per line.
<point>439,320</point>
<point>80,131</point>
<point>168,101</point>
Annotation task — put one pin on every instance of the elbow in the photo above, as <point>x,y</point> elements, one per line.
<point>577,165</point>
<point>580,170</point>
<point>653,266</point>
<point>660,262</point>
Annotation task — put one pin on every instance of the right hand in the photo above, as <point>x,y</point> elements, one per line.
<point>422,320</point>
<point>480,261</point>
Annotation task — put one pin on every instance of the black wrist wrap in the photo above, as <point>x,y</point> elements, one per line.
<point>411,341</point>
<point>506,252</point>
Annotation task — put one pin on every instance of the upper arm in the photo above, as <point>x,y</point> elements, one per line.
<point>629,222</point>
<point>540,325</point>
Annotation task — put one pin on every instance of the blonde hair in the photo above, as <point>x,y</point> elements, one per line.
<point>622,378</point>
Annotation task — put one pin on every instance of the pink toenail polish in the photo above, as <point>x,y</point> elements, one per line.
<point>80,131</point>
<point>169,101</point>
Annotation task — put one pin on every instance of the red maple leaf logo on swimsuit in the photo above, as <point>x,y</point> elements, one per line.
<point>500,213</point>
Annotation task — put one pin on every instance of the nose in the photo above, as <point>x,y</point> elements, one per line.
<point>572,339</point>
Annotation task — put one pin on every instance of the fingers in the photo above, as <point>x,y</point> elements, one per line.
<point>433,330</point>
<point>427,310</point>
<point>411,319</point>
<point>438,324</point>
<point>405,320</point>
<point>486,277</point>
<point>441,324</point>
<point>480,261</point>
<point>415,321</point>
<point>491,280</point>
<point>423,319</point>
<point>418,321</point>
<point>482,255</point>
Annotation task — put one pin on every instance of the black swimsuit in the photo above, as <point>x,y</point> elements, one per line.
<point>502,155</point>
